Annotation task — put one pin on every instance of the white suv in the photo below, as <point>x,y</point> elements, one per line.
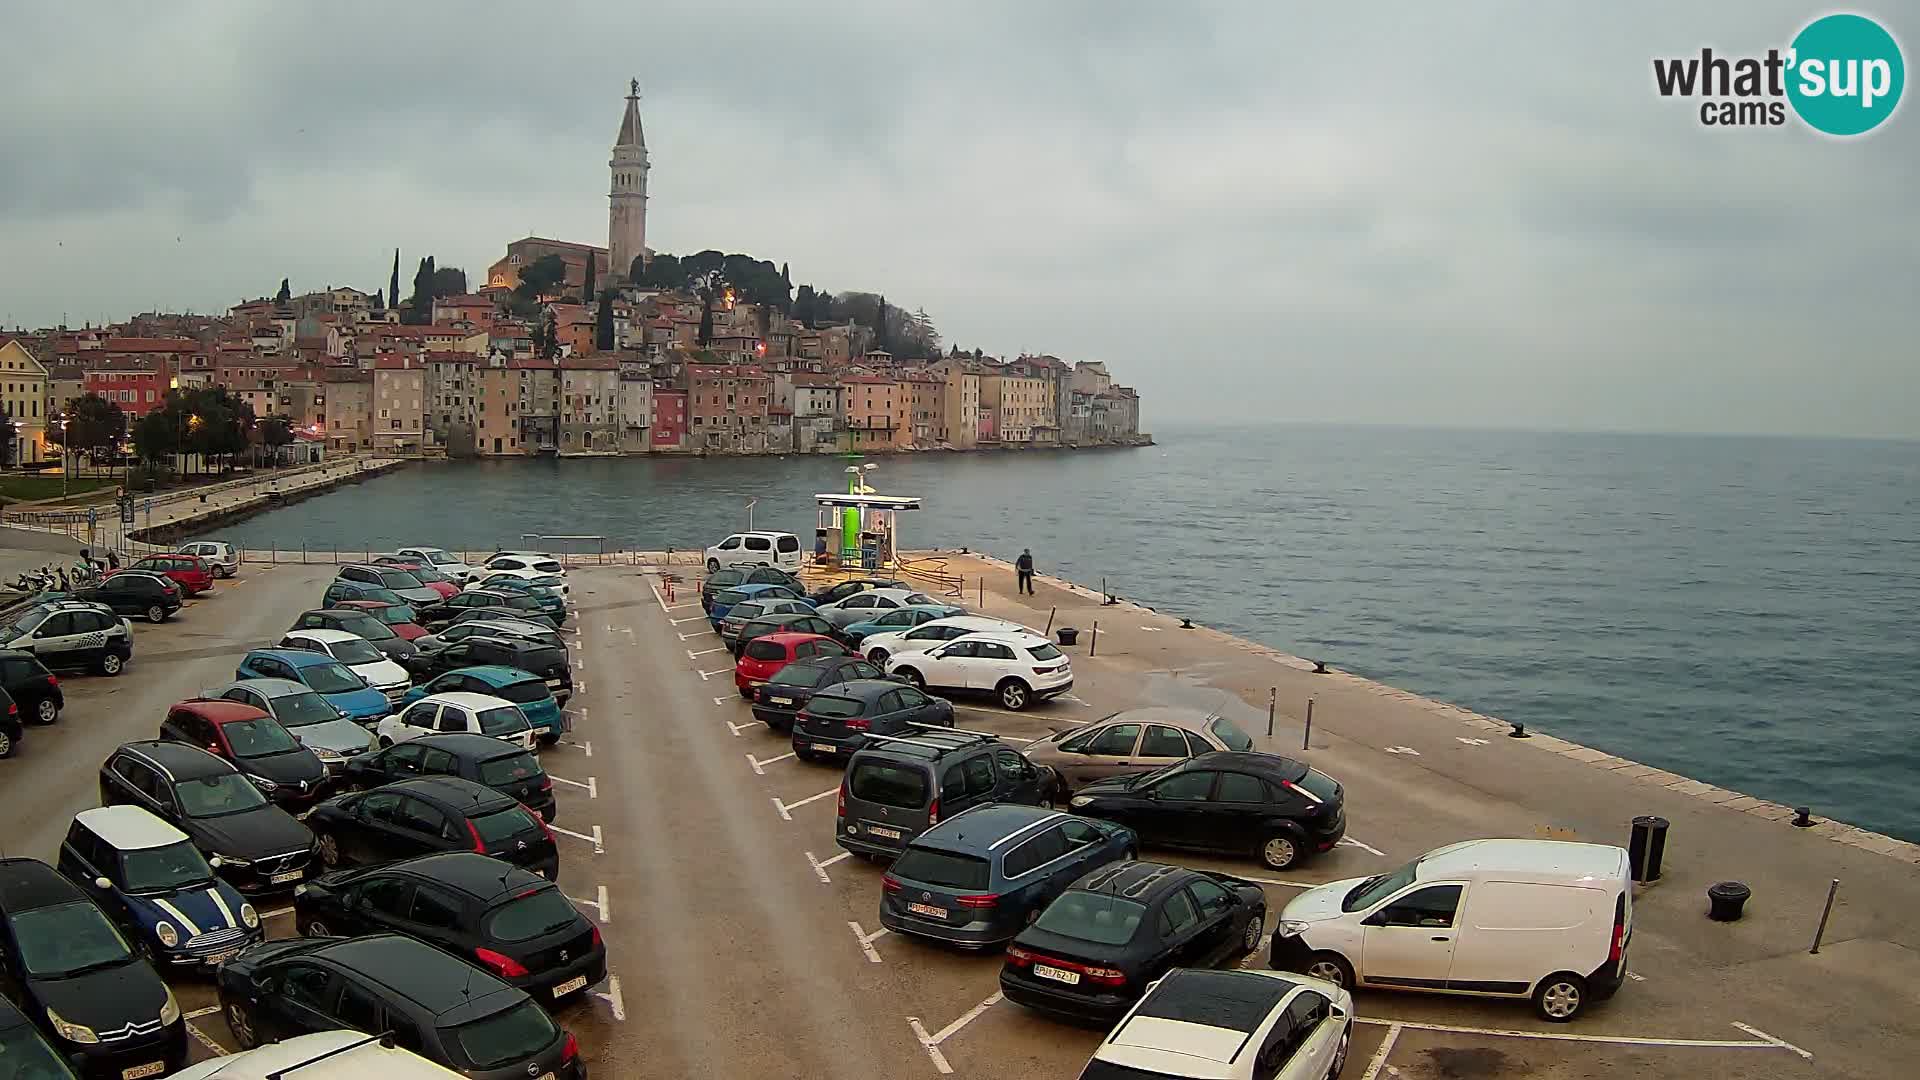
<point>877,647</point>
<point>1231,1025</point>
<point>440,559</point>
<point>219,556</point>
<point>756,549</point>
<point>1017,668</point>
<point>358,654</point>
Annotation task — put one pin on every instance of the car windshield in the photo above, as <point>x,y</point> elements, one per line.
<point>1230,734</point>
<point>399,579</point>
<point>366,626</point>
<point>524,692</point>
<point>1045,651</point>
<point>943,869</point>
<point>24,1055</point>
<point>496,827</point>
<point>332,678</point>
<point>514,769</point>
<point>218,795</point>
<point>505,720</point>
<point>299,710</point>
<point>889,785</point>
<point>792,674</point>
<point>745,610</point>
<point>25,623</point>
<point>356,651</point>
<point>531,916</point>
<point>67,939</point>
<point>1095,917</point>
<point>921,599</point>
<point>1379,887</point>
<point>165,869</point>
<point>436,556</point>
<point>1319,785</point>
<point>728,597</point>
<point>258,738</point>
<point>522,601</point>
<point>520,1032</point>
<point>833,707</point>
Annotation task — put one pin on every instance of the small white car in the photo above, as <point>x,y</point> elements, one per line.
<point>475,714</point>
<point>536,561</point>
<point>1018,669</point>
<point>756,549</point>
<point>220,557</point>
<point>862,606</point>
<point>877,647</point>
<point>440,559</point>
<point>1230,1025</point>
<point>552,581</point>
<point>358,654</point>
<point>326,1055</point>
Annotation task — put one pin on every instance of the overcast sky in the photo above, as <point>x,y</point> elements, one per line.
<point>1459,214</point>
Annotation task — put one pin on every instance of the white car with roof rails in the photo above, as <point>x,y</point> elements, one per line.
<point>221,557</point>
<point>475,714</point>
<point>877,647</point>
<point>1229,1025</point>
<point>324,1055</point>
<point>781,549</point>
<point>358,654</point>
<point>440,559</point>
<point>1018,668</point>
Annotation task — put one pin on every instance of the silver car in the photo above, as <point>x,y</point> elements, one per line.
<point>864,606</point>
<point>311,718</point>
<point>221,557</point>
<point>410,588</point>
<point>501,627</point>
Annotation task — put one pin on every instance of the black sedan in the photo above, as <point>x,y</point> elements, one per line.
<point>428,816</point>
<point>776,703</point>
<point>728,577</point>
<point>482,910</point>
<point>838,719</point>
<point>100,1005</point>
<point>840,590</point>
<point>1264,805</point>
<point>483,759</point>
<point>1096,948</point>
<point>260,846</point>
<point>360,624</point>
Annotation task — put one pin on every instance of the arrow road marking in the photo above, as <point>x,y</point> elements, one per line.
<point>1402,750</point>
<point>1469,742</point>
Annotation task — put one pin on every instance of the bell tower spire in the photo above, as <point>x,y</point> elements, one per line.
<point>627,195</point>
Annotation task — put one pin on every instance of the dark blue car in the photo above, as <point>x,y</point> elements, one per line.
<point>320,673</point>
<point>150,879</point>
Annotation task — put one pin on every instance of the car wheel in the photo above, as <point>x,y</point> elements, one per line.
<point>156,614</point>
<point>385,742</point>
<point>1015,694</point>
<point>315,928</point>
<point>1330,967</point>
<point>713,567</point>
<point>1279,852</point>
<point>329,847</point>
<point>1340,1054</point>
<point>240,1022</point>
<point>1256,929</point>
<point>1560,997</point>
<point>112,664</point>
<point>45,711</point>
<point>6,744</point>
<point>914,678</point>
<point>877,656</point>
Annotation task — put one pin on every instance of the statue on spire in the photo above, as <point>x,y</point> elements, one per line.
<point>634,88</point>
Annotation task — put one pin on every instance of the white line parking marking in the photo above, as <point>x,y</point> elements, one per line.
<point>1470,742</point>
<point>1763,1041</point>
<point>605,917</point>
<point>690,618</point>
<point>931,1043</point>
<point>1363,847</point>
<point>592,785</point>
<point>705,675</point>
<point>198,1013</point>
<point>820,868</point>
<point>866,941</point>
<point>757,764</point>
<point>785,807</point>
<point>1781,1043</point>
<point>721,700</point>
<point>1380,1055</point>
<point>691,655</point>
<point>1401,750</point>
<point>657,596</point>
<point>738,728</point>
<point>585,746</point>
<point>599,846</point>
<point>202,1038</point>
<point>612,997</point>
<point>690,637</point>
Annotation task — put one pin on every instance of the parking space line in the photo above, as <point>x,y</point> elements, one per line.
<point>1380,1056</point>
<point>1351,842</point>
<point>705,675</point>
<point>695,634</point>
<point>690,618</point>
<point>1781,1043</point>
<point>1762,1040</point>
<point>592,785</point>
<point>198,1013</point>
<point>866,940</point>
<point>758,765</point>
<point>931,1043</point>
<point>785,808</point>
<point>692,655</point>
<point>612,997</point>
<point>587,745</point>
<point>820,868</point>
<point>738,728</point>
<point>599,846</point>
<point>721,700</point>
<point>205,1040</point>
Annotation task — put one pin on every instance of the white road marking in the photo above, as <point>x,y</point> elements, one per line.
<point>759,766</point>
<point>785,807</point>
<point>738,728</point>
<point>1636,976</point>
<point>1401,750</point>
<point>592,785</point>
<point>690,637</point>
<point>820,868</point>
<point>203,1039</point>
<point>1470,742</point>
<point>599,845</point>
<point>198,1013</point>
<point>605,915</point>
<point>866,941</point>
<point>721,700</point>
<point>932,1042</point>
<point>1763,1041</point>
<point>705,675</point>
<point>580,664</point>
<point>690,618</point>
<point>692,655</point>
<point>656,595</point>
<point>612,997</point>
<point>1153,629</point>
<point>1781,1043</point>
<point>586,746</point>
<point>1351,842</point>
<point>932,1048</point>
<point>1380,1055</point>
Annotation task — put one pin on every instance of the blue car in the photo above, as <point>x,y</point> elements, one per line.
<point>552,604</point>
<point>320,673</point>
<point>525,689</point>
<point>899,619</point>
<point>150,879</point>
<point>726,598</point>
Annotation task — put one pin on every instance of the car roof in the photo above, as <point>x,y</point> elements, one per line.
<point>323,1055</point>
<point>178,760</point>
<point>26,884</point>
<point>1560,861</point>
<point>412,969</point>
<point>467,699</point>
<point>479,876</point>
<point>1165,715</point>
<point>981,829</point>
<point>452,791</point>
<point>826,660</point>
<point>267,688</point>
<point>758,587</point>
<point>129,828</point>
<point>786,618</point>
<point>468,744</point>
<point>1015,639</point>
<point>362,605</point>
<point>916,607</point>
<point>864,690</point>
<point>1253,761</point>
<point>498,674</point>
<point>1142,881</point>
<point>296,658</point>
<point>795,637</point>
<point>329,636</point>
<point>1205,1014</point>
<point>757,532</point>
<point>974,623</point>
<point>891,592</point>
<point>220,711</point>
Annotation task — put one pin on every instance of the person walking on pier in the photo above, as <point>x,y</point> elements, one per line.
<point>1023,566</point>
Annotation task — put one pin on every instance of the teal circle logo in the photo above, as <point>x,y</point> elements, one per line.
<point>1846,74</point>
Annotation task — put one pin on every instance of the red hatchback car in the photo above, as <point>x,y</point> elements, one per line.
<point>190,572</point>
<point>398,617</point>
<point>765,656</point>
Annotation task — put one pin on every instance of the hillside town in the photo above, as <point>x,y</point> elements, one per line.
<point>573,349</point>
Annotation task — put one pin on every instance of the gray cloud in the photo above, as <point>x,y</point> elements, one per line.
<point>1461,214</point>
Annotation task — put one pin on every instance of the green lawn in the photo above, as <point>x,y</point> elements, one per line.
<point>26,488</point>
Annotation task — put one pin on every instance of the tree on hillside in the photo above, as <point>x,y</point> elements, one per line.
<point>709,286</point>
<point>804,305</point>
<point>603,323</point>
<point>587,292</point>
<point>393,284</point>
<point>285,294</point>
<point>881,338</point>
<point>447,281</point>
<point>379,299</point>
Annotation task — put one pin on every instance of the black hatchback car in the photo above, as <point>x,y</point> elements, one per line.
<point>135,592</point>
<point>261,847</point>
<point>495,916</point>
<point>547,661</point>
<point>838,719</point>
<point>31,686</point>
<point>977,879</point>
<point>483,759</point>
<point>66,966</point>
<point>428,816</point>
<point>516,605</point>
<point>1096,949</point>
<point>730,576</point>
<point>1242,803</point>
<point>360,624</point>
<point>781,698</point>
<point>437,1006</point>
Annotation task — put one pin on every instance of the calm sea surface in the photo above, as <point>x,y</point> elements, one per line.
<point>1739,610</point>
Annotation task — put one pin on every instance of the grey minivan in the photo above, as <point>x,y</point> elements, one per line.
<point>310,717</point>
<point>898,787</point>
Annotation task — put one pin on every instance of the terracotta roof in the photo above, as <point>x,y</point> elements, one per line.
<point>391,362</point>
<point>590,363</point>
<point>69,372</point>
<point>448,356</point>
<point>123,366</point>
<point>134,344</point>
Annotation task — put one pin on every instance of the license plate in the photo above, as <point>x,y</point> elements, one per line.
<point>152,1068</point>
<point>222,957</point>
<point>1071,978</point>
<point>282,879</point>
<point>928,910</point>
<point>827,747</point>
<point>890,834</point>
<point>780,700</point>
<point>568,987</point>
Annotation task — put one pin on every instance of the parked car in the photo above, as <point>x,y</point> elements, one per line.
<point>428,576</point>
<point>503,614</point>
<point>484,626</point>
<point>728,577</point>
<point>310,717</point>
<point>157,887</point>
<point>1230,1025</point>
<point>359,656</point>
<point>928,635</point>
<point>332,679</point>
<point>323,1055</point>
<point>778,624</point>
<point>72,635</point>
<point>493,577</point>
<point>491,914</point>
<point>31,687</point>
<point>838,720</point>
<point>260,846</point>
<point>898,621</point>
<point>1134,741</point>
<point>550,604</point>
<point>766,655</point>
<point>135,592</point>
<point>409,588</point>
<point>840,590</point>
<point>356,620</point>
<point>546,658</point>
<point>976,879</point>
<point>221,557</point>
<point>1540,919</point>
<point>440,559</point>
<point>1018,669</point>
<point>529,692</point>
<point>100,1004</point>
<point>456,1014</point>
<point>479,714</point>
<point>725,600</point>
<point>25,1051</point>
<point>187,571</point>
<point>779,699</point>
<point>1094,951</point>
<point>11,731</point>
<point>515,605</point>
<point>769,548</point>
<point>398,618</point>
<point>523,560</point>
<point>1270,807</point>
<point>868,604</point>
<point>503,766</point>
<point>267,754</point>
<point>430,815</point>
<point>747,610</point>
<point>898,788</point>
<point>341,589</point>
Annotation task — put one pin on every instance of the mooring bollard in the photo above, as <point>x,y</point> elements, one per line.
<point>1093,647</point>
<point>1646,847</point>
<point>1319,667</point>
<point>1821,931</point>
<point>1803,817</point>
<point>1726,900</point>
<point>1519,732</point>
<point>1306,740</point>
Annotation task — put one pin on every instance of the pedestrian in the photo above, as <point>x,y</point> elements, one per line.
<point>1024,567</point>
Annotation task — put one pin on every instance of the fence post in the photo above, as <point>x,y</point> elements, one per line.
<point>1821,930</point>
<point>1093,647</point>
<point>1273,694</point>
<point>1306,740</point>
<point>1051,612</point>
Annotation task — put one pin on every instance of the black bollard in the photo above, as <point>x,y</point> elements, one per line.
<point>1803,817</point>
<point>1647,847</point>
<point>1726,901</point>
<point>1519,732</point>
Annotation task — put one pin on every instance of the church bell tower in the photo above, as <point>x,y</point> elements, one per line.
<point>627,196</point>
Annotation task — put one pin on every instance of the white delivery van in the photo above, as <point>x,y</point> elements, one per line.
<point>756,549</point>
<point>1506,918</point>
<point>326,1055</point>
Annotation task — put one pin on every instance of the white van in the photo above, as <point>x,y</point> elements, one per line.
<point>756,549</point>
<point>1505,918</point>
<point>327,1055</point>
